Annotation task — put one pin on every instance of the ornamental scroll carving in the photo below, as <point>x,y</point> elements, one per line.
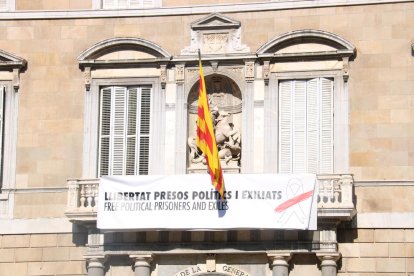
<point>225,109</point>
<point>215,34</point>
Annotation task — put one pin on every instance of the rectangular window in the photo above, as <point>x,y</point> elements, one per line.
<point>124,130</point>
<point>3,5</point>
<point>306,126</point>
<point>2,101</point>
<point>128,4</point>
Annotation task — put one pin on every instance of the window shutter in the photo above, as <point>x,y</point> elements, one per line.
<point>326,126</point>
<point>3,5</point>
<point>124,130</point>
<point>105,131</point>
<point>144,131</point>
<point>109,4</point>
<point>148,3</point>
<point>306,126</point>
<point>122,4</point>
<point>135,3</point>
<point>132,132</point>
<point>312,124</point>
<point>119,129</point>
<point>285,126</point>
<point>299,127</point>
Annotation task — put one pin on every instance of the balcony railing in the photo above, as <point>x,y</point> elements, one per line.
<point>335,198</point>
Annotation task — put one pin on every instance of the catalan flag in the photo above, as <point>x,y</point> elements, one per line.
<point>206,139</point>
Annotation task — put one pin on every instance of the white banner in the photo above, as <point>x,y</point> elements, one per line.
<point>252,201</point>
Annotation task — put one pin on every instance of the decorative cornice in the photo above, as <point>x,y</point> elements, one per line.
<point>190,10</point>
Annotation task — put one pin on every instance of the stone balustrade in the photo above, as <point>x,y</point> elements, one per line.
<point>335,198</point>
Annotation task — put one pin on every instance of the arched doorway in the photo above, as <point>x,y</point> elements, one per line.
<point>225,100</point>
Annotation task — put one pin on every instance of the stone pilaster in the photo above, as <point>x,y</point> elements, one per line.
<point>329,262</point>
<point>248,118</point>
<point>279,263</point>
<point>142,265</point>
<point>95,265</point>
<point>181,121</point>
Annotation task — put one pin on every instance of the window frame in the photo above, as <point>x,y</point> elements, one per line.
<point>99,5</point>
<point>10,6</point>
<point>92,109</point>
<point>340,112</point>
<point>9,140</point>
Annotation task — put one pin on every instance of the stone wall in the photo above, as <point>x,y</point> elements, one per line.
<point>50,130</point>
<point>42,254</point>
<point>376,251</point>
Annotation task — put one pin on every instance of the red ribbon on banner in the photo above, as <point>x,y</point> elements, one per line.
<point>295,200</point>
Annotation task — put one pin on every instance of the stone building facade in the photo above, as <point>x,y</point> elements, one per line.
<point>58,60</point>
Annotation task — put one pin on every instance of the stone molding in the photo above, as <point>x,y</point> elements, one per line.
<point>189,10</point>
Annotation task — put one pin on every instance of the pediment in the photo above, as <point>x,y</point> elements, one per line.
<point>125,48</point>
<point>215,21</point>
<point>10,60</point>
<point>306,42</point>
<point>215,34</point>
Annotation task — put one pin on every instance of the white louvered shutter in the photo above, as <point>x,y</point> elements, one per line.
<point>122,4</point>
<point>119,130</point>
<point>109,4</point>
<point>147,3</point>
<point>112,131</point>
<point>299,127</point>
<point>285,126</point>
<point>135,4</point>
<point>144,130</point>
<point>3,5</point>
<point>124,130</point>
<point>326,126</point>
<point>131,132</point>
<point>105,131</point>
<point>312,123</point>
<point>306,126</point>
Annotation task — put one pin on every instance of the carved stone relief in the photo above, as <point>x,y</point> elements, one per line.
<point>225,109</point>
<point>215,34</point>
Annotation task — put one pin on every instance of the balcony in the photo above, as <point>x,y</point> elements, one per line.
<point>335,199</point>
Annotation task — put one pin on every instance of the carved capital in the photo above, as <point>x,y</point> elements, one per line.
<point>142,260</point>
<point>328,258</point>
<point>249,71</point>
<point>266,71</point>
<point>95,261</point>
<point>279,259</point>
<point>179,73</point>
<point>163,75</point>
<point>16,79</point>
<point>345,68</point>
<point>88,78</point>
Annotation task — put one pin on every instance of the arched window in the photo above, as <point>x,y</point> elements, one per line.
<point>307,102</point>
<point>124,79</point>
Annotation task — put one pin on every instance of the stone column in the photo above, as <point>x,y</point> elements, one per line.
<point>328,263</point>
<point>95,265</point>
<point>142,264</point>
<point>279,263</point>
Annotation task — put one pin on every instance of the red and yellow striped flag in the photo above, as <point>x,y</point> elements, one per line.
<point>206,139</point>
